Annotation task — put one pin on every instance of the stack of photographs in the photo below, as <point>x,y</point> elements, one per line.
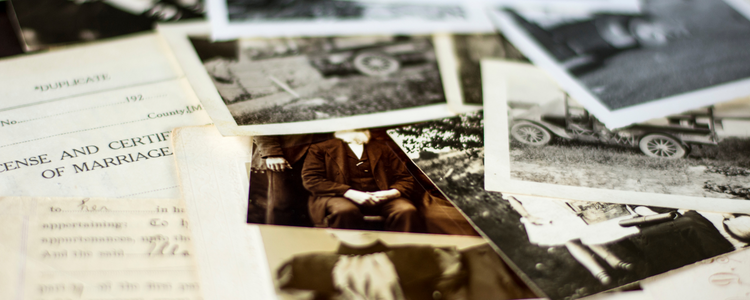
<point>334,194</point>
<point>534,173</point>
<point>380,149</point>
<point>571,245</point>
<point>351,150</point>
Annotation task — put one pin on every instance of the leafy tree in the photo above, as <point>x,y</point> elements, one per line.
<point>464,132</point>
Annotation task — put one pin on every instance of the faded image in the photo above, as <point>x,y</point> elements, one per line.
<point>551,139</point>
<point>350,265</point>
<point>470,49</point>
<point>299,79</point>
<point>700,153</point>
<point>265,10</point>
<point>568,249</point>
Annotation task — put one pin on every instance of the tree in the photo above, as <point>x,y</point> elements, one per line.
<point>464,133</point>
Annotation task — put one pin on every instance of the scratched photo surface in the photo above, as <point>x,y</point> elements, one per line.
<point>565,248</point>
<point>305,180</point>
<point>281,80</point>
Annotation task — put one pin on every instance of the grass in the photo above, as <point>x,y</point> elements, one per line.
<point>438,168</point>
<point>729,152</point>
<point>365,95</point>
